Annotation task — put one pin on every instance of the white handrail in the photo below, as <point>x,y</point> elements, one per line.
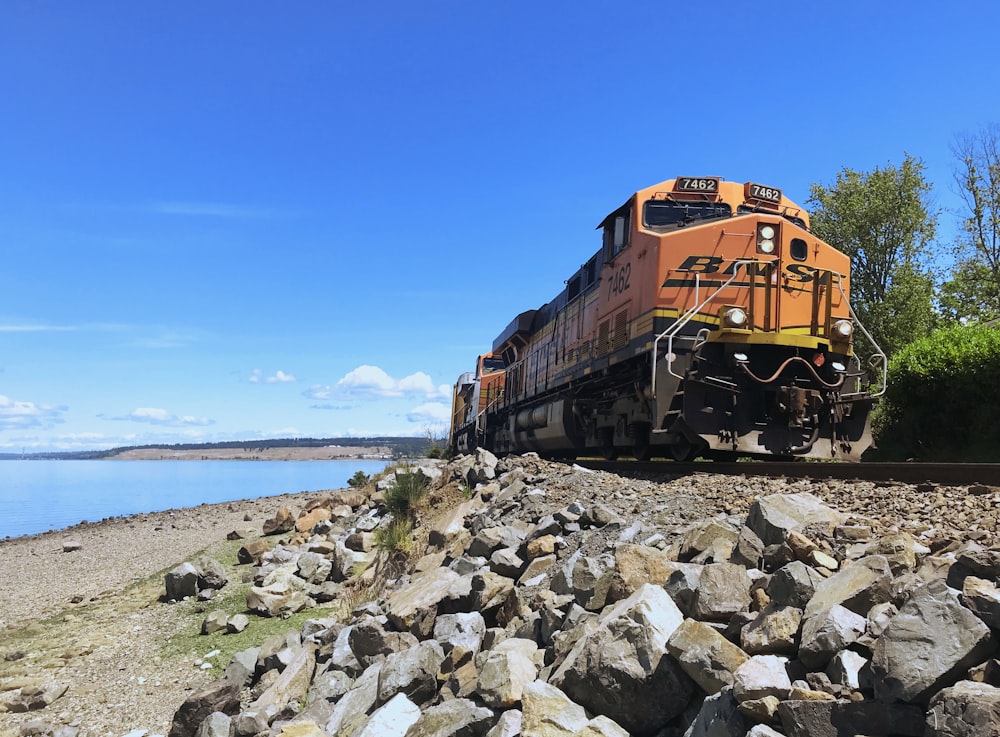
<point>671,332</point>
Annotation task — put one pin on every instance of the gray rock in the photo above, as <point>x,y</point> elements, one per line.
<point>858,587</point>
<point>723,590</point>
<point>350,712</point>
<point>216,724</point>
<point>215,622</point>
<point>211,573</point>
<point>761,676</point>
<point>222,696</point>
<point>508,725</point>
<point>966,709</point>
<point>242,666</point>
<point>506,562</point>
<point>811,718</point>
<point>642,687</point>
<point>453,718</point>
<point>793,585</point>
<point>983,598</point>
<point>370,641</point>
<point>846,668</point>
<point>772,517</point>
<point>249,723</point>
<point>748,550</point>
<point>412,671</point>
<point>826,633</point>
<point>313,567</point>
<point>465,629</point>
<point>508,667</point>
<point>592,577</point>
<point>719,716</point>
<point>392,719</point>
<point>682,586</point>
<point>182,581</point>
<point>277,651</point>
<point>413,607</point>
<point>237,623</point>
<point>927,645</point>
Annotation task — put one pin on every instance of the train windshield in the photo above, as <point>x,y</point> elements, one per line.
<point>660,213</point>
<point>492,364</point>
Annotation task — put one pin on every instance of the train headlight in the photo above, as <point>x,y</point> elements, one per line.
<point>765,238</point>
<point>734,317</point>
<point>838,367</point>
<point>843,330</point>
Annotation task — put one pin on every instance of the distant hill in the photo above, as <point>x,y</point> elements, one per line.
<point>400,446</point>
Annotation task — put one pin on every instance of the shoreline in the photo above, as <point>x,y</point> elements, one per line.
<point>112,553</point>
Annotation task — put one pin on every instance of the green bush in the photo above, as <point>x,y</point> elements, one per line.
<point>943,397</point>
<point>359,480</point>
<point>396,537</point>
<point>404,493</point>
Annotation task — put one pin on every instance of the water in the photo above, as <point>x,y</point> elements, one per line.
<point>36,496</point>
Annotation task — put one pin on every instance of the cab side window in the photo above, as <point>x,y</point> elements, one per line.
<point>616,232</point>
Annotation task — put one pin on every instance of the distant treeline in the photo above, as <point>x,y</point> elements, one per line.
<point>400,446</point>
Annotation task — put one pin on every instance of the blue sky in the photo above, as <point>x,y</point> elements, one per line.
<point>236,220</point>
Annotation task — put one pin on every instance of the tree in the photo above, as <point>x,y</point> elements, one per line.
<point>973,292</point>
<point>884,221</point>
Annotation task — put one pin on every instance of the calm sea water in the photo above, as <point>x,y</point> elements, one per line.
<point>36,496</point>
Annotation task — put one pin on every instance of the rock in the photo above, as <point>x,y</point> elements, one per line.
<point>181,582</point>
<point>591,579</point>
<point>845,669</point>
<point>214,622</point>
<point>216,724</point>
<point>350,712</point>
<point>713,536</point>
<point>775,631</point>
<point>983,598</point>
<point>237,623</point>
<point>454,718</point>
<point>413,607</point>
<point>761,676</point>
<point>241,533</point>
<point>966,709</point>
<point>307,521</point>
<point>371,642</point>
<point>252,552</point>
<point>705,655</point>
<point>282,521</point>
<point>465,629</point>
<point>793,585</point>
<point>548,712</point>
<point>826,633</point>
<point>30,697</point>
<point>508,725</point>
<point>927,645</point>
<point>392,719</point>
<point>293,683</point>
<point>636,565</point>
<point>682,586</point>
<point>221,696</point>
<point>723,590</point>
<point>848,719</point>
<point>772,517</point>
<point>858,587</point>
<point>211,574</point>
<point>749,549</point>
<point>506,562</point>
<point>313,567</point>
<point>643,688</point>
<point>71,545</point>
<point>507,669</point>
<point>411,672</point>
<point>719,716</point>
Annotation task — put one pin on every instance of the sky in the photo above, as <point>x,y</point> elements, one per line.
<point>243,220</point>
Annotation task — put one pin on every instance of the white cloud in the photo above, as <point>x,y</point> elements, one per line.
<point>280,377</point>
<point>157,416</point>
<point>433,413</point>
<point>19,415</point>
<point>373,382</point>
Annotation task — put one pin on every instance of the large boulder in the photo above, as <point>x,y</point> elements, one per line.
<point>928,645</point>
<point>773,517</point>
<point>705,655</point>
<point>620,666</point>
<point>548,712</point>
<point>967,709</point>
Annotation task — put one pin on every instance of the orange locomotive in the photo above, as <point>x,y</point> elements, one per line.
<point>711,322</point>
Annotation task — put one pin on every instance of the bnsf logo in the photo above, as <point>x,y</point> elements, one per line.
<point>713,265</point>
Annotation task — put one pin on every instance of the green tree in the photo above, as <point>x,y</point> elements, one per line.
<point>973,292</point>
<point>884,221</point>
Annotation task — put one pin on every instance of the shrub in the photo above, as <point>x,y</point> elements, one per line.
<point>396,537</point>
<point>359,480</point>
<point>404,493</point>
<point>942,398</point>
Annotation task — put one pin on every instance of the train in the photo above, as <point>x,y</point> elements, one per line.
<point>711,322</point>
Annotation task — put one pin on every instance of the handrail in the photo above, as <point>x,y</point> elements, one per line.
<point>671,332</point>
<point>880,354</point>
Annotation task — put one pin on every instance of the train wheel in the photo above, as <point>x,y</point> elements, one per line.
<point>683,450</point>
<point>608,451</point>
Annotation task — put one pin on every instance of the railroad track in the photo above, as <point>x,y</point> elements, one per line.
<point>956,474</point>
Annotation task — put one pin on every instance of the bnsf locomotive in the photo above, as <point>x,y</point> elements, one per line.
<point>711,322</point>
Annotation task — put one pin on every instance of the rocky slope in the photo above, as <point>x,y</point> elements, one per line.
<point>557,601</point>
